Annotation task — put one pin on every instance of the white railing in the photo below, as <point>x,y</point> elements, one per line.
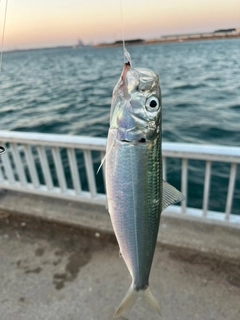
<point>28,154</point>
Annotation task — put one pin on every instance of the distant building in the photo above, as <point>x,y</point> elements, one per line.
<point>225,30</point>
<point>127,42</point>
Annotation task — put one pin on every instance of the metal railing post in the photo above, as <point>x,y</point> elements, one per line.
<point>31,166</point>
<point>18,164</point>
<point>206,187</point>
<point>184,184</point>
<point>59,169</point>
<point>74,171</point>
<point>90,173</point>
<point>8,168</point>
<point>232,179</point>
<point>45,167</point>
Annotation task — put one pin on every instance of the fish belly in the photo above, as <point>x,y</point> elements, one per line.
<point>134,192</point>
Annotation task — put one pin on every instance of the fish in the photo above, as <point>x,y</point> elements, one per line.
<point>136,191</point>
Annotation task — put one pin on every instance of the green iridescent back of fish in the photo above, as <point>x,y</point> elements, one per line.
<point>134,175</point>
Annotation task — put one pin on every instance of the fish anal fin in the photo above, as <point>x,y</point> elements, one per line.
<point>170,195</point>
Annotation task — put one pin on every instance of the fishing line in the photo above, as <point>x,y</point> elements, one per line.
<point>4,24</point>
<point>123,31</point>
<point>125,52</point>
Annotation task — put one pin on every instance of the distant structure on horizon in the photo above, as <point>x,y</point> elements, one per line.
<point>80,44</point>
<point>133,41</point>
<point>217,34</point>
<point>225,30</point>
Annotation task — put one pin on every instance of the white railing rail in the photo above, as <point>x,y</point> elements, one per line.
<point>208,153</point>
<point>20,159</point>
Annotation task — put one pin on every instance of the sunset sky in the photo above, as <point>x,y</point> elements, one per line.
<point>47,23</point>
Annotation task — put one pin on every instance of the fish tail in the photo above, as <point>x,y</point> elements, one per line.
<point>151,301</point>
<point>128,301</point>
<point>131,298</point>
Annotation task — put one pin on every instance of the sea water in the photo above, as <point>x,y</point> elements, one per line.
<point>68,91</point>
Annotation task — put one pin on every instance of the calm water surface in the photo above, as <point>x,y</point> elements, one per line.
<point>69,92</point>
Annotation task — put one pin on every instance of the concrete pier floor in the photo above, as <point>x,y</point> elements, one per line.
<point>51,271</point>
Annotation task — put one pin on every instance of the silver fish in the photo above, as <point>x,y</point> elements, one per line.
<point>136,191</point>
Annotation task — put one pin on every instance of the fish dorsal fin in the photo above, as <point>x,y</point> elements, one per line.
<point>170,195</point>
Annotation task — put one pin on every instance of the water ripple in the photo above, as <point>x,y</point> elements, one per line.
<point>69,91</point>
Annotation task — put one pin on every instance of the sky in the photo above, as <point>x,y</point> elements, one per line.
<point>48,23</point>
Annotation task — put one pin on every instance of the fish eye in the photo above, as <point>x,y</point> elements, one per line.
<point>152,104</point>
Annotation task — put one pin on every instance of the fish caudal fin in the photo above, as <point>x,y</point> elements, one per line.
<point>131,298</point>
<point>151,301</point>
<point>128,302</point>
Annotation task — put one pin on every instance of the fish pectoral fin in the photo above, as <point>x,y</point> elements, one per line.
<point>105,157</point>
<point>101,164</point>
<point>170,195</point>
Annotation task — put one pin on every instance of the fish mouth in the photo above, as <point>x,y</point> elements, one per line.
<point>126,67</point>
<point>142,140</point>
<point>124,140</point>
<point>2,150</point>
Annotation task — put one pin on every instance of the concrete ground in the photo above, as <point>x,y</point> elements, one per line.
<point>57,272</point>
<point>214,239</point>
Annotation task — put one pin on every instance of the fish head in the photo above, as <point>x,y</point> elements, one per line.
<point>136,105</point>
